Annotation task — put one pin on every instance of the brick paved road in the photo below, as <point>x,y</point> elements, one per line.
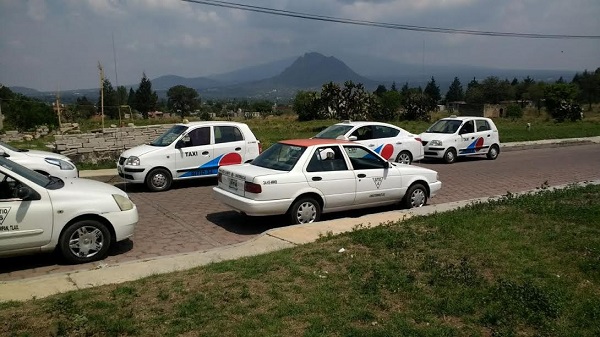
<point>187,218</point>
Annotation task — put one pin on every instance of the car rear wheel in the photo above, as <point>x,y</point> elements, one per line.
<point>404,157</point>
<point>158,180</point>
<point>305,210</point>
<point>416,196</point>
<point>85,241</point>
<point>450,156</point>
<point>493,152</point>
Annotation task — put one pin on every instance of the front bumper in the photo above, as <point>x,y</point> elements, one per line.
<point>252,207</point>
<point>123,222</point>
<point>434,188</point>
<point>434,151</point>
<point>132,174</point>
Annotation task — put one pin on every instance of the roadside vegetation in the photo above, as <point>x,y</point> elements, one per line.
<point>518,266</point>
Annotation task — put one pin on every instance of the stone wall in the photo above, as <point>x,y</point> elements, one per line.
<point>106,145</point>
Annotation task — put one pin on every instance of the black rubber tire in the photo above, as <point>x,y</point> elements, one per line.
<point>159,179</point>
<point>416,196</point>
<point>493,152</point>
<point>450,156</point>
<point>404,157</point>
<point>304,210</point>
<point>85,241</point>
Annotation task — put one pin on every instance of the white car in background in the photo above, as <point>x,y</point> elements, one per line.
<point>188,151</point>
<point>453,137</point>
<point>306,177</point>
<point>389,141</point>
<point>46,163</point>
<point>79,218</point>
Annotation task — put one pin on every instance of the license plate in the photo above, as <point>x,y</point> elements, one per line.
<point>233,184</point>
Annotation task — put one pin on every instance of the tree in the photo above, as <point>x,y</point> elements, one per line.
<point>145,98</point>
<point>432,90</point>
<point>381,89</point>
<point>111,105</point>
<point>182,99</point>
<point>84,109</point>
<point>560,100</point>
<point>131,98</point>
<point>416,106</point>
<point>23,113</point>
<point>455,92</point>
<point>356,102</point>
<point>331,101</point>
<point>474,93</point>
<point>536,94</point>
<point>589,86</point>
<point>307,105</point>
<point>389,102</point>
<point>263,106</point>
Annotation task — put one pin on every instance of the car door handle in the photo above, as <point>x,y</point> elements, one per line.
<point>317,178</point>
<point>238,148</point>
<point>371,145</point>
<point>399,143</point>
<point>205,153</point>
<point>361,175</point>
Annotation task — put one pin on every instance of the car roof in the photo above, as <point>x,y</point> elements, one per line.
<point>314,141</point>
<point>208,123</point>
<point>360,123</point>
<point>463,118</point>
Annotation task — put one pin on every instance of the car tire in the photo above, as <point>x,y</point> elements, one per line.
<point>85,241</point>
<point>305,210</point>
<point>450,156</point>
<point>416,196</point>
<point>404,157</point>
<point>493,152</point>
<point>158,180</point>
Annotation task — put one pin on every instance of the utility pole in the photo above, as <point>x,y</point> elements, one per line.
<point>58,111</point>
<point>101,93</point>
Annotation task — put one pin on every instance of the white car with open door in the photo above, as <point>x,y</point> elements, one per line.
<point>453,137</point>
<point>389,141</point>
<point>188,151</point>
<point>80,218</point>
<point>304,178</point>
<point>46,163</point>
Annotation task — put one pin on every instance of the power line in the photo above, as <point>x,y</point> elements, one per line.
<point>316,17</point>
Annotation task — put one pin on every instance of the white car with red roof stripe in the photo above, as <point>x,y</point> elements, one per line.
<point>304,178</point>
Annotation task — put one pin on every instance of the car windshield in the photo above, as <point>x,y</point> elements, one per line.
<point>281,157</point>
<point>12,148</point>
<point>169,136</point>
<point>445,126</point>
<point>334,131</point>
<point>26,173</point>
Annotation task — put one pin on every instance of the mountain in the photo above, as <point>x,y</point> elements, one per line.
<point>254,73</point>
<point>163,83</point>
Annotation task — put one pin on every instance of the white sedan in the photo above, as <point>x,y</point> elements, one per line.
<point>306,177</point>
<point>46,163</point>
<point>391,142</point>
<point>80,218</point>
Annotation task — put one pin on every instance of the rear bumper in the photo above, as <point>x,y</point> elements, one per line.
<point>252,207</point>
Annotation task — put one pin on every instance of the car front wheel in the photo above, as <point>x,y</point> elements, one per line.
<point>404,157</point>
<point>416,196</point>
<point>450,156</point>
<point>305,210</point>
<point>158,180</point>
<point>85,241</point>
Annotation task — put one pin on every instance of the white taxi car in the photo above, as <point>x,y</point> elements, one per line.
<point>306,177</point>
<point>188,151</point>
<point>453,137</point>
<point>79,218</point>
<point>46,163</point>
<point>389,141</point>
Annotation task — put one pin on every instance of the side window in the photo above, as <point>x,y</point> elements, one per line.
<point>198,137</point>
<point>363,133</point>
<point>363,159</point>
<point>468,127</point>
<point>7,187</point>
<point>328,158</point>
<point>384,132</point>
<point>482,125</point>
<point>226,134</point>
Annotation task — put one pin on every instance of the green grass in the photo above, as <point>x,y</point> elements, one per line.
<point>518,266</point>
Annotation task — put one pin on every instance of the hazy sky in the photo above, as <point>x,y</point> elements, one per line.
<point>57,44</point>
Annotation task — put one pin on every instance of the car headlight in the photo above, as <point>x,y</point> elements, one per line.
<point>124,203</point>
<point>133,161</point>
<point>63,164</point>
<point>435,143</point>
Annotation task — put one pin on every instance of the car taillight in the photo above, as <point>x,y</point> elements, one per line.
<point>252,187</point>
<point>259,147</point>
<point>219,177</point>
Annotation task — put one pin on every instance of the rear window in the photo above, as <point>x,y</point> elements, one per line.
<point>281,157</point>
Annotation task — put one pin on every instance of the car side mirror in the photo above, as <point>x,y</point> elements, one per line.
<point>4,154</point>
<point>25,193</point>
<point>387,165</point>
<point>180,143</point>
<point>352,138</point>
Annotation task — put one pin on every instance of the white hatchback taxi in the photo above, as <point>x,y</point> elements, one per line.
<point>389,141</point>
<point>79,218</point>
<point>46,163</point>
<point>188,151</point>
<point>306,177</point>
<point>453,137</point>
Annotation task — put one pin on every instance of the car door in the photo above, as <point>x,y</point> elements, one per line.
<point>468,141</point>
<point>484,135</point>
<point>328,172</point>
<point>193,152</point>
<point>23,224</point>
<point>387,141</point>
<point>229,146</point>
<point>376,181</point>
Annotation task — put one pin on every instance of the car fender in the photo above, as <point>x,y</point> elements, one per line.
<point>309,190</point>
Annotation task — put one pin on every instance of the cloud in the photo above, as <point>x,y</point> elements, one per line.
<point>36,9</point>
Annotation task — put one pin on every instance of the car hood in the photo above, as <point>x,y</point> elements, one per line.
<point>247,172</point>
<point>141,150</point>
<point>87,188</point>
<point>429,136</point>
<point>44,154</point>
